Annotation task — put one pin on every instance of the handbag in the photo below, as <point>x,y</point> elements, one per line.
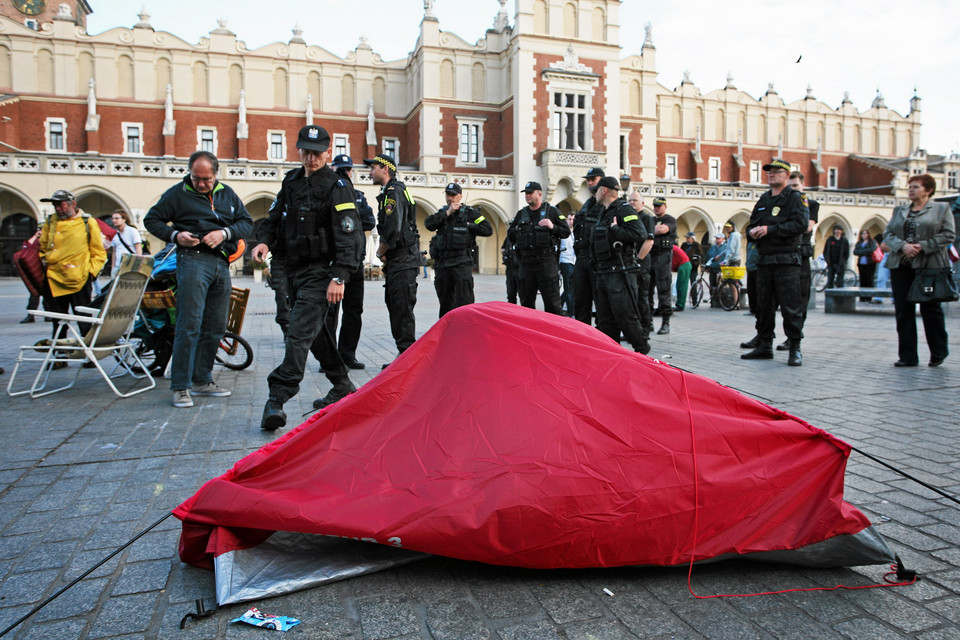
<point>933,285</point>
<point>877,255</point>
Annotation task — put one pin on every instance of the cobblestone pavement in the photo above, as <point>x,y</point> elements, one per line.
<point>83,471</point>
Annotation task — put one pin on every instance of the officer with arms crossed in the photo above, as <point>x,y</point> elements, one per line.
<point>314,227</point>
<point>615,242</point>
<point>664,237</point>
<point>583,223</point>
<point>457,226</point>
<point>399,248</point>
<point>536,232</point>
<point>777,223</point>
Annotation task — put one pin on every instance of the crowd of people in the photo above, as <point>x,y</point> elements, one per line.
<point>610,263</point>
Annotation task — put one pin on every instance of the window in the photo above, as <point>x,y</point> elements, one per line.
<point>832,178</point>
<point>207,139</point>
<point>624,153</point>
<point>391,147</point>
<point>277,144</point>
<point>794,167</point>
<point>714,175</point>
<point>953,180</point>
<point>671,170</point>
<point>569,130</point>
<point>56,134</point>
<point>470,150</point>
<point>341,144</point>
<point>755,176</point>
<point>132,138</point>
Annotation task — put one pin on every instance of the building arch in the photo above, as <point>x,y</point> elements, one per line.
<point>164,78</point>
<point>599,24</point>
<point>541,17</point>
<point>100,202</point>
<point>236,83</point>
<point>348,90</point>
<point>825,229</point>
<point>200,83</point>
<point>447,80</point>
<point>6,75</point>
<point>876,224</point>
<point>696,220</point>
<point>281,88</point>
<point>124,76</point>
<point>315,89</point>
<point>258,204</point>
<point>85,72</point>
<point>636,98</point>
<point>45,71</point>
<point>478,82</point>
<point>13,200</point>
<point>379,95</point>
<point>570,26</point>
<point>488,249</point>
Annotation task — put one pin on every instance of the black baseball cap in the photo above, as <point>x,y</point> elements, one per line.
<point>343,161</point>
<point>609,182</point>
<point>60,195</point>
<point>313,138</point>
<point>453,187</point>
<point>594,172</point>
<point>530,187</point>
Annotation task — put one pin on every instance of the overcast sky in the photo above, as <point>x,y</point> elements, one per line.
<point>854,45</point>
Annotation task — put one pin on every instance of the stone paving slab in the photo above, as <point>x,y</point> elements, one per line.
<point>82,471</point>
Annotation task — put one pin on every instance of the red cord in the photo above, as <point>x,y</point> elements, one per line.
<point>696,525</point>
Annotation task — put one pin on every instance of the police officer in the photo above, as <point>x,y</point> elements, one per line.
<point>635,200</point>
<point>806,249</point>
<point>614,243</point>
<point>399,248</point>
<point>583,223</point>
<point>313,226</point>
<point>508,256</point>
<point>664,237</point>
<point>457,226</point>
<point>352,304</point>
<point>536,231</point>
<point>777,223</point>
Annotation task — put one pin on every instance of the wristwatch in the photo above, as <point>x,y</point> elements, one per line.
<point>339,280</point>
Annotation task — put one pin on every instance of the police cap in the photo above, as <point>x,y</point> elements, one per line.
<point>593,173</point>
<point>454,188</point>
<point>313,138</point>
<point>383,159</point>
<point>530,187</point>
<point>776,165</point>
<point>343,161</point>
<point>609,182</point>
<point>659,201</point>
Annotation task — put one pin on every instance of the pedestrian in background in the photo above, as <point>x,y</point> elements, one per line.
<point>567,263</point>
<point>681,266</point>
<point>126,241</point>
<point>836,251</point>
<point>28,265</point>
<point>866,265</point>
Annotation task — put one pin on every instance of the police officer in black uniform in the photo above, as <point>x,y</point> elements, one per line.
<point>457,226</point>
<point>614,243</point>
<point>661,255</point>
<point>313,226</point>
<point>777,223</point>
<point>583,223</point>
<point>806,248</point>
<point>399,248</point>
<point>635,200</point>
<point>352,303</point>
<point>508,256</point>
<point>536,232</point>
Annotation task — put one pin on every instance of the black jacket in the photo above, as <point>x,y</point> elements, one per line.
<point>456,235</point>
<point>397,226</point>
<point>615,246</point>
<point>533,242</point>
<point>583,224</point>
<point>314,221</point>
<point>785,216</point>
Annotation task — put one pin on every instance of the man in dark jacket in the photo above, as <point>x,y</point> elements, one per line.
<point>457,226</point>
<point>314,227</point>
<point>583,222</point>
<point>399,248</point>
<point>836,251</point>
<point>661,280</point>
<point>536,231</point>
<point>777,223</point>
<point>206,219</point>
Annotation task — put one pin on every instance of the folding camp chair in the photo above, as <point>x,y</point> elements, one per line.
<point>109,334</point>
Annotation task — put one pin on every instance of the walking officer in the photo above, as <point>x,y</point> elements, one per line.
<point>777,223</point>
<point>457,226</point>
<point>399,248</point>
<point>614,243</point>
<point>536,232</point>
<point>664,237</point>
<point>583,223</point>
<point>314,227</point>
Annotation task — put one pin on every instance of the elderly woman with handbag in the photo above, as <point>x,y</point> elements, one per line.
<point>917,239</point>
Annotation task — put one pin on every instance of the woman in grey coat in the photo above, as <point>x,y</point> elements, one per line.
<point>917,237</point>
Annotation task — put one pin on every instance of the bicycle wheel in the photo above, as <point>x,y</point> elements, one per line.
<point>696,294</point>
<point>851,278</point>
<point>819,280</point>
<point>729,294</point>
<point>242,352</point>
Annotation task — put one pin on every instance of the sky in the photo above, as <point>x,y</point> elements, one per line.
<point>858,46</point>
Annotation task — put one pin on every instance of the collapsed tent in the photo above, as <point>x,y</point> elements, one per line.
<point>513,437</point>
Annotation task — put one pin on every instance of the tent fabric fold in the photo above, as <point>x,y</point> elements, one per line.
<point>509,436</point>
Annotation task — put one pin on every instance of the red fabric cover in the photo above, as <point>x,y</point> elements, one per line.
<point>28,264</point>
<point>509,436</point>
<point>105,229</point>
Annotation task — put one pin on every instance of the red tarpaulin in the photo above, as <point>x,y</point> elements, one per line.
<point>509,436</point>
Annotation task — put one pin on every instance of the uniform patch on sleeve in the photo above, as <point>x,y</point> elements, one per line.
<point>389,204</point>
<point>347,224</point>
<point>631,218</point>
<point>803,197</point>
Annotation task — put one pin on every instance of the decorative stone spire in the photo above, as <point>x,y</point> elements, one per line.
<point>297,34</point>
<point>93,118</point>
<point>309,113</point>
<point>780,145</point>
<point>915,102</point>
<point>243,129</point>
<point>502,19</point>
<point>648,36</point>
<point>846,98</point>
<point>364,43</point>
<point>428,6</point>
<point>144,20</point>
<point>878,102</point>
<point>686,77</point>
<point>169,124</point>
<point>810,92</point>
<point>770,89</point>
<point>221,29</point>
<point>730,84</point>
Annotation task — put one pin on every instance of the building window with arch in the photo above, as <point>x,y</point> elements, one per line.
<point>670,170</point>
<point>132,138</point>
<point>570,119</point>
<point>56,134</point>
<point>833,178</point>
<point>755,176</point>
<point>276,146</point>
<point>714,170</point>
<point>207,139</point>
<point>470,147</point>
<point>341,144</point>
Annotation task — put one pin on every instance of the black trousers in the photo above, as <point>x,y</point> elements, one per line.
<point>542,276</point>
<point>931,312</point>
<point>583,285</point>
<point>307,293</point>
<point>616,311</point>
<point>804,286</point>
<point>867,274</point>
<point>779,284</point>
<point>454,286</point>
<point>352,307</point>
<point>278,282</point>
<point>67,304</point>
<point>661,281</point>
<point>400,295</point>
<point>513,283</point>
<point>646,314</point>
<point>752,293</point>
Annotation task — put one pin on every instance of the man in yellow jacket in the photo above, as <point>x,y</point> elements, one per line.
<point>71,248</point>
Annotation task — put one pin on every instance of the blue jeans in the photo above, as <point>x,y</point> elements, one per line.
<point>203,298</point>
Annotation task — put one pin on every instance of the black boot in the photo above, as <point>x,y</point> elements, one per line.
<point>664,326</point>
<point>352,362</point>
<point>763,351</point>
<point>784,346</point>
<point>796,358</point>
<point>273,415</point>
<point>752,343</point>
<point>28,320</point>
<point>339,391</point>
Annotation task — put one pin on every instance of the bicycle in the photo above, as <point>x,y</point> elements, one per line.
<point>728,291</point>
<point>698,288</point>
<point>818,278</point>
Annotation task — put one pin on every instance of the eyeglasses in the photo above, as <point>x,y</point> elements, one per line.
<point>199,179</point>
